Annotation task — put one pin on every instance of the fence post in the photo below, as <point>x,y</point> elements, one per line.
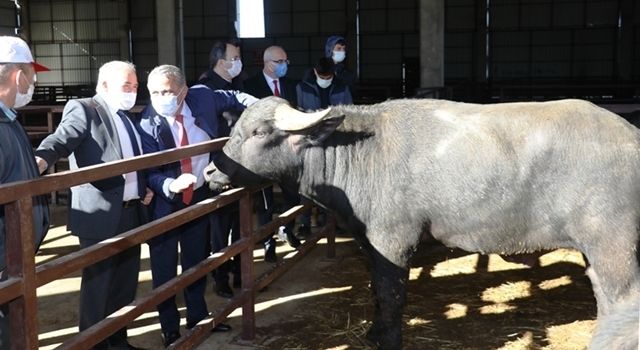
<point>246,262</point>
<point>19,253</point>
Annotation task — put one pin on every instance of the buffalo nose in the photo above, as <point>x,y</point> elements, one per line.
<point>208,172</point>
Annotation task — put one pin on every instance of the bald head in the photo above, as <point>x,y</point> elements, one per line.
<point>272,57</point>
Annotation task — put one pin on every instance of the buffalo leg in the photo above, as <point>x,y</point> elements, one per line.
<point>389,283</point>
<point>613,279</point>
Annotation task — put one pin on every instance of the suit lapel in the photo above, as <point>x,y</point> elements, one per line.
<point>163,132</point>
<point>103,113</point>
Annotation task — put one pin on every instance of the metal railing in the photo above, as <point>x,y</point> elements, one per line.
<point>24,277</point>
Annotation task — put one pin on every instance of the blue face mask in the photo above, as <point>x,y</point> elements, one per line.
<point>281,69</point>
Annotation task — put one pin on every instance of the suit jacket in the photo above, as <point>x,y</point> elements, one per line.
<point>88,136</point>
<point>156,135</point>
<point>227,119</point>
<point>258,87</point>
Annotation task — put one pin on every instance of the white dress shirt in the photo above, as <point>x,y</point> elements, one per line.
<point>272,86</point>
<point>130,179</point>
<point>195,135</point>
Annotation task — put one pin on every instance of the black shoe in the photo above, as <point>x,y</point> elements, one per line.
<point>221,327</point>
<point>170,338</point>
<point>224,290</point>
<point>293,241</point>
<point>304,231</point>
<point>270,251</point>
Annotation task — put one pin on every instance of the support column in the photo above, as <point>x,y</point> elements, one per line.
<point>431,43</point>
<point>167,32</point>
<point>625,42</point>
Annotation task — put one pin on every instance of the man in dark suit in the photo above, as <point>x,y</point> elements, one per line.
<point>271,81</point>
<point>96,131</point>
<point>179,116</point>
<point>224,74</point>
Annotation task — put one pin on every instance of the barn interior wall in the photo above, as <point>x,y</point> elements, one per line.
<point>7,18</point>
<point>525,41</point>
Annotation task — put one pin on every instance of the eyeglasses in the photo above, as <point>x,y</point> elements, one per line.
<point>280,61</point>
<point>232,59</point>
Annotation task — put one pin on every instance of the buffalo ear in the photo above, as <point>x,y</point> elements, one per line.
<point>319,132</point>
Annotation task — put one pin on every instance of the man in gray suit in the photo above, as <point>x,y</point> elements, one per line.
<point>95,131</point>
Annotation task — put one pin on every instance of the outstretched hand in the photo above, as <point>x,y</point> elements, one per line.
<point>183,182</point>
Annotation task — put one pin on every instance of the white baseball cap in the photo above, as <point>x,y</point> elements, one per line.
<point>16,50</point>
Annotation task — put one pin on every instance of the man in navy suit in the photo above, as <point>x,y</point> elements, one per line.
<point>179,116</point>
<point>272,81</point>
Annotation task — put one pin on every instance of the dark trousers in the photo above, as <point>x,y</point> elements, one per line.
<point>224,223</point>
<point>163,250</point>
<point>265,205</point>
<point>110,284</point>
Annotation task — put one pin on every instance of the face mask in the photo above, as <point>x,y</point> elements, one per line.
<point>23,99</point>
<point>323,83</point>
<point>236,68</point>
<point>281,70</point>
<point>165,105</point>
<point>338,56</point>
<point>122,100</point>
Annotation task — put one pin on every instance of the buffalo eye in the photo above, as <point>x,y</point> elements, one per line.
<point>259,133</point>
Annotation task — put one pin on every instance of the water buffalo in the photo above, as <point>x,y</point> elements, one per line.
<point>503,178</point>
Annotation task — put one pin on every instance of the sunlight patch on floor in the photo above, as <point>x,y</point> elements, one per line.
<point>507,292</point>
<point>524,342</point>
<point>132,329</point>
<point>456,310</point>
<point>496,263</point>
<point>498,308</point>
<point>339,347</point>
<point>567,334</point>
<point>417,321</point>
<point>450,267</point>
<point>267,304</point>
<point>555,283</point>
<point>415,273</point>
<point>563,256</point>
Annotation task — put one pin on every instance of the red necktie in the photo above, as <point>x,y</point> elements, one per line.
<point>185,164</point>
<point>276,92</point>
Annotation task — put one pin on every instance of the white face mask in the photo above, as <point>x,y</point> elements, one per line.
<point>323,83</point>
<point>338,56</point>
<point>122,100</point>
<point>165,105</point>
<point>23,99</point>
<point>236,68</point>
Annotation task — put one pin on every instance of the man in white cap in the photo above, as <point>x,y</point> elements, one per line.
<point>17,161</point>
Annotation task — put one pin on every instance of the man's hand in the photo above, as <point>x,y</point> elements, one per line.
<point>42,164</point>
<point>147,197</point>
<point>182,183</point>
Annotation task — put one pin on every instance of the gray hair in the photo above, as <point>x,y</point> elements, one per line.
<point>7,68</point>
<point>173,73</point>
<point>108,69</point>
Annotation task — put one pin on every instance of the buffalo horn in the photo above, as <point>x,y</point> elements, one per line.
<point>291,119</point>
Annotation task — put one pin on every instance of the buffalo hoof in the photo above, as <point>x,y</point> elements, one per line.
<point>376,336</point>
